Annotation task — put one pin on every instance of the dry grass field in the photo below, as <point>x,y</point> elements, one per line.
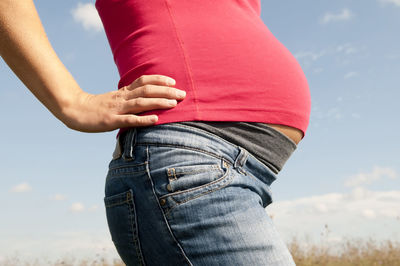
<point>347,253</point>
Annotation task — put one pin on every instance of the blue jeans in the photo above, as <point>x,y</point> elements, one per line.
<point>177,195</point>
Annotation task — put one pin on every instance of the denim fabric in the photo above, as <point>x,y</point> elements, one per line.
<point>177,195</point>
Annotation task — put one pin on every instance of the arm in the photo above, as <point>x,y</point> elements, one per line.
<point>25,48</point>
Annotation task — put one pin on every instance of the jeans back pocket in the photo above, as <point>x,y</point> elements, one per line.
<point>121,218</point>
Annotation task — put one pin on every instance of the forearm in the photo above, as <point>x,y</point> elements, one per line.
<point>25,48</point>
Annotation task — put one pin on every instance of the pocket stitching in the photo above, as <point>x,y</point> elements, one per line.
<point>199,187</point>
<point>123,174</point>
<point>228,181</point>
<point>132,217</point>
<point>129,201</point>
<point>184,172</point>
<point>127,166</point>
<point>182,147</point>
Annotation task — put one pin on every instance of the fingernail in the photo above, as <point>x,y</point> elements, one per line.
<point>180,93</point>
<point>154,119</point>
<point>171,82</point>
<point>172,102</point>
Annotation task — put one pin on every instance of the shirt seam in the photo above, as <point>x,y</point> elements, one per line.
<point>185,57</point>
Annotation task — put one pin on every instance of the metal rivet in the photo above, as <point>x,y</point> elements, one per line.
<point>162,202</point>
<point>169,188</point>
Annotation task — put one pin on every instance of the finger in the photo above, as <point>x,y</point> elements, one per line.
<point>152,91</point>
<point>123,121</point>
<point>153,79</point>
<point>139,105</point>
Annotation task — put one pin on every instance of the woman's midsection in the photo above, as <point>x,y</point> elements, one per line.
<point>230,65</point>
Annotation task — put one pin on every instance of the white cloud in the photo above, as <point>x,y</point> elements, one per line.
<point>347,48</point>
<point>344,15</point>
<point>368,178</point>
<point>350,74</point>
<point>93,208</point>
<point>368,213</point>
<point>58,197</point>
<point>335,113</point>
<point>77,207</point>
<point>395,2</point>
<point>389,213</point>
<point>55,246</point>
<point>86,14</point>
<point>23,187</point>
<point>358,213</point>
<point>321,207</point>
<point>326,113</point>
<point>309,55</point>
<point>357,193</point>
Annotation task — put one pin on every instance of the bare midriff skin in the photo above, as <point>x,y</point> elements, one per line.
<point>293,133</point>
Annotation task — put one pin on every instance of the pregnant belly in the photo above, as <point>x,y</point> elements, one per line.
<point>293,133</point>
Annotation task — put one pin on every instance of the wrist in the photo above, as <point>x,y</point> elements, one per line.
<point>70,108</point>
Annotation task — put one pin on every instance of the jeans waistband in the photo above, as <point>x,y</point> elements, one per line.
<point>189,137</point>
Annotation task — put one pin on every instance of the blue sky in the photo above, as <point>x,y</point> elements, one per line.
<point>345,173</point>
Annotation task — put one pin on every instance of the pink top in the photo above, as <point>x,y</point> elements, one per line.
<point>220,52</point>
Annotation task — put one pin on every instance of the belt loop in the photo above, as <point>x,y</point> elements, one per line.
<point>133,143</point>
<point>117,151</point>
<point>241,160</point>
<point>129,145</point>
